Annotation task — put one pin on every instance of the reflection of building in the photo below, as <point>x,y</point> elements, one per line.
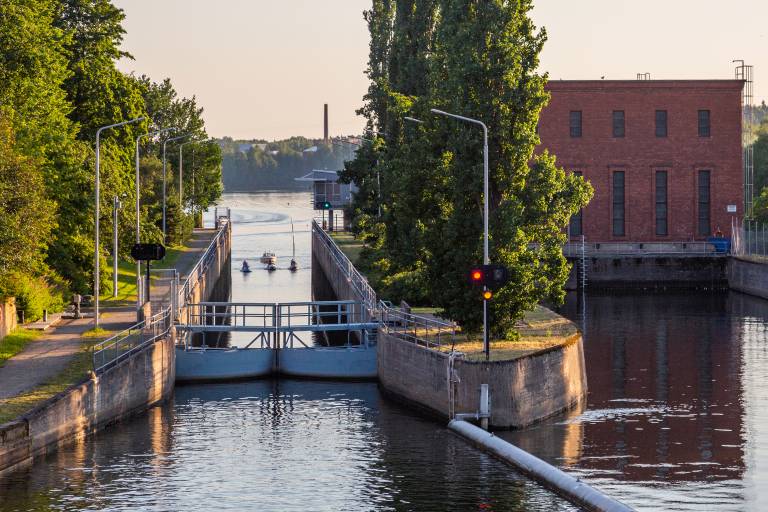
<point>664,156</point>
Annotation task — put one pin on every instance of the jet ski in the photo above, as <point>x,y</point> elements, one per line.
<point>245,268</point>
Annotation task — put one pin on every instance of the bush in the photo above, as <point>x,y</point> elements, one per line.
<point>409,285</point>
<point>33,295</point>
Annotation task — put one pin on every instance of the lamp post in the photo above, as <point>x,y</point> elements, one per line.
<point>486,259</point>
<point>139,298</point>
<point>116,205</point>
<point>96,280</point>
<point>164,176</point>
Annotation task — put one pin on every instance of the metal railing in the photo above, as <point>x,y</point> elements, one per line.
<point>424,331</point>
<point>427,332</point>
<point>357,280</point>
<point>278,317</point>
<point>123,344</point>
<point>120,346</point>
<point>576,249</point>
<point>208,257</point>
<point>750,239</point>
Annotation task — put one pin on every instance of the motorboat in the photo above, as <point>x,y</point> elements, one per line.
<point>271,267</point>
<point>245,268</point>
<point>268,258</point>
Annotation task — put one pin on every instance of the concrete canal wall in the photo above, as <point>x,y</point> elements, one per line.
<point>523,390</point>
<point>748,276</point>
<point>650,272</point>
<point>130,386</point>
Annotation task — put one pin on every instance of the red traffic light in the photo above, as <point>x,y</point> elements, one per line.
<point>487,295</point>
<point>476,275</point>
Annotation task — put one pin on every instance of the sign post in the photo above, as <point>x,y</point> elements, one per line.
<point>147,253</point>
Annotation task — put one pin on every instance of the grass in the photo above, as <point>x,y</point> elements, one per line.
<point>126,277</point>
<point>348,244</point>
<point>539,330</point>
<point>76,371</point>
<point>15,342</point>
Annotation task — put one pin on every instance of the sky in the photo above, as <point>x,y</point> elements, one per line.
<point>264,68</point>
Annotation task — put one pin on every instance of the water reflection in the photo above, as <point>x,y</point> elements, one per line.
<point>275,445</point>
<point>675,385</point>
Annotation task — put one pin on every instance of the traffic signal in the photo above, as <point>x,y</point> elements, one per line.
<point>492,277</point>
<point>323,205</point>
<point>487,295</point>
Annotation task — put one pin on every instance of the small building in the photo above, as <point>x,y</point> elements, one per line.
<point>327,188</point>
<point>664,156</point>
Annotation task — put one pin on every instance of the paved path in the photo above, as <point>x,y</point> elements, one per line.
<point>47,356</point>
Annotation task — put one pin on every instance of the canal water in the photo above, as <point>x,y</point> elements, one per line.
<point>674,419</point>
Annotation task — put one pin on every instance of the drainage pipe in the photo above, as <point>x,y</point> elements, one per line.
<point>563,484</point>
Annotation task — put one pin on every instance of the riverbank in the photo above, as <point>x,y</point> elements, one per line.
<point>99,385</point>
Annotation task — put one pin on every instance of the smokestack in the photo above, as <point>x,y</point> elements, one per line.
<point>325,123</point>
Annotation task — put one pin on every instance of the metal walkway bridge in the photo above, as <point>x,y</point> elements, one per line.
<point>277,324</point>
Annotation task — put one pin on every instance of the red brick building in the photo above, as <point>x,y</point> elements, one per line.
<point>664,157</point>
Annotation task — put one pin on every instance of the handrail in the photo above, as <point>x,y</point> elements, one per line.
<point>430,333</point>
<point>126,342</point>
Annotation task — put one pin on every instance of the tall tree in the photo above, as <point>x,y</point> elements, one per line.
<point>487,54</point>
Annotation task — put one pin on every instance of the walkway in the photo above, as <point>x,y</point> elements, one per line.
<point>46,357</point>
<point>49,355</point>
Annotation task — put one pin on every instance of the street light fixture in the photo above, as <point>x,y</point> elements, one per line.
<point>164,176</point>
<point>139,299</point>
<point>486,259</point>
<point>413,120</point>
<point>96,280</point>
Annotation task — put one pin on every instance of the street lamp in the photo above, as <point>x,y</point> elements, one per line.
<point>486,259</point>
<point>164,175</point>
<point>116,205</point>
<point>96,280</point>
<point>413,120</point>
<point>138,209</point>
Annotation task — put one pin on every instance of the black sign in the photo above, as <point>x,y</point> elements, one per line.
<point>492,277</point>
<point>147,252</point>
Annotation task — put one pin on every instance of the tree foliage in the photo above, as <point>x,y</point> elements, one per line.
<point>478,59</point>
<point>58,84</point>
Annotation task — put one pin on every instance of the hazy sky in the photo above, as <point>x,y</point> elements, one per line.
<point>264,68</point>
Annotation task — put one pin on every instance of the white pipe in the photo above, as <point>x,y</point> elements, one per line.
<point>563,484</point>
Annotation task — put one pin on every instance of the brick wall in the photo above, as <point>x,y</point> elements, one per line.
<point>683,153</point>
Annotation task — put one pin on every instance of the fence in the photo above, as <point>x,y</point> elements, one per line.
<point>427,332</point>
<point>136,337</point>
<point>750,238</point>
<point>121,345</point>
<point>581,249</point>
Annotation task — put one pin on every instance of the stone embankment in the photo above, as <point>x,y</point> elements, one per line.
<point>131,384</point>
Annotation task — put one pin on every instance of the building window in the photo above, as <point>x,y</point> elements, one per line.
<point>705,228</point>
<point>661,123</point>
<point>618,123</point>
<point>618,203</point>
<point>575,123</point>
<point>575,227</point>
<point>661,203</point>
<point>704,130</point>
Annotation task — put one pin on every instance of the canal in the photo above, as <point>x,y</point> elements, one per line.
<point>673,419</point>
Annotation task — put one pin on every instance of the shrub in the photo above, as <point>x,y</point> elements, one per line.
<point>33,295</point>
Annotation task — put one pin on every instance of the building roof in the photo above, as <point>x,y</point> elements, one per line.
<point>587,85</point>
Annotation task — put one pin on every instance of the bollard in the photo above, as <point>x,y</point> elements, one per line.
<point>45,316</point>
